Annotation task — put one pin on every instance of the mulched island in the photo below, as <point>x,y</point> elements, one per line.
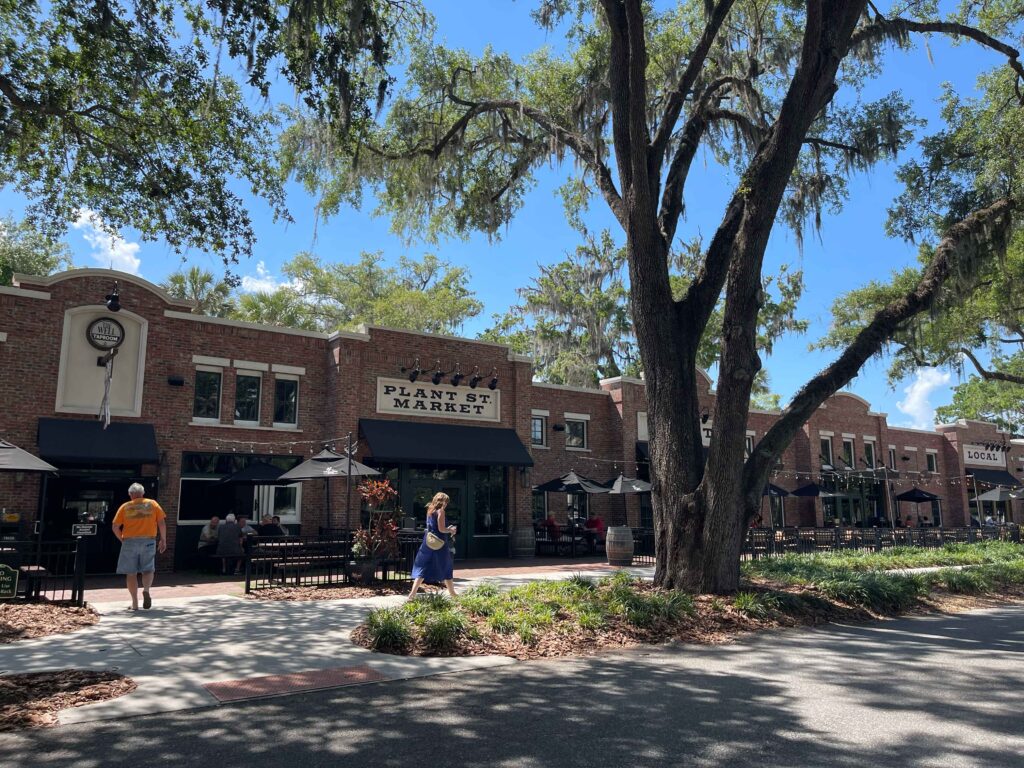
<point>21,621</point>
<point>33,700</point>
<point>580,616</point>
<point>331,593</point>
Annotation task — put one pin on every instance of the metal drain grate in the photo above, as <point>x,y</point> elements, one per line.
<point>296,682</point>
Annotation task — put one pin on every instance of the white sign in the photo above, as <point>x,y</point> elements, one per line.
<point>438,400</point>
<point>705,433</point>
<point>979,456</point>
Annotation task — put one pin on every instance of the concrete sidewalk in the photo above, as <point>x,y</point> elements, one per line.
<point>183,644</point>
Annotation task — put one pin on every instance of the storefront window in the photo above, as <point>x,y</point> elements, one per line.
<point>537,431</point>
<point>489,493</point>
<point>247,398</point>
<point>848,454</point>
<point>286,401</point>
<point>540,506</point>
<point>206,403</point>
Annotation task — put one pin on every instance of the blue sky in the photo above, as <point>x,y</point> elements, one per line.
<point>852,248</point>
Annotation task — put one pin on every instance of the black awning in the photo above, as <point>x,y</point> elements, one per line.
<point>77,441</point>
<point>995,477</point>
<point>402,441</point>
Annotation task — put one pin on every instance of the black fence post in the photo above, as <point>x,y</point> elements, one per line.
<point>78,581</point>
<point>248,573</point>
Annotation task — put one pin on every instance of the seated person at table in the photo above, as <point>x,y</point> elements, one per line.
<point>554,530</point>
<point>277,521</point>
<point>596,524</point>
<point>208,539</point>
<point>229,545</point>
<point>268,528</point>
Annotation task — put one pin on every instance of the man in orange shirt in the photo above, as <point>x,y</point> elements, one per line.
<point>136,525</point>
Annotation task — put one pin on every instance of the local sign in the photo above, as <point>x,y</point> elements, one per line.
<point>8,581</point>
<point>83,529</point>
<point>105,333</point>
<point>979,456</point>
<point>441,401</point>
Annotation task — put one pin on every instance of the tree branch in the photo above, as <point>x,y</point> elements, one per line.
<point>988,375</point>
<point>989,225</point>
<point>676,97</point>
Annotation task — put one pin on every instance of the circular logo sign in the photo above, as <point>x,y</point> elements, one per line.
<point>105,333</point>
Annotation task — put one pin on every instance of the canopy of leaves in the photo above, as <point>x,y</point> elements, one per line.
<point>121,106</point>
<point>211,296</point>
<point>999,402</point>
<point>25,250</point>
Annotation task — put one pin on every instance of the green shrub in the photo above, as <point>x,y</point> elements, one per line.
<point>501,622</point>
<point>964,582</point>
<point>581,583</point>
<point>757,605</point>
<point>389,629</point>
<point>590,619</point>
<point>442,630</point>
<point>877,591</point>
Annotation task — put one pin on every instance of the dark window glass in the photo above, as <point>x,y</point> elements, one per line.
<point>540,506</point>
<point>848,453</point>
<point>537,430</point>
<point>826,451</point>
<point>207,396</point>
<point>869,454</point>
<point>930,457</point>
<point>646,512</point>
<point>247,398</point>
<point>489,500</point>
<point>575,434</point>
<point>286,401</point>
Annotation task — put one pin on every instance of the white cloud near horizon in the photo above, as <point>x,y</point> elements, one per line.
<point>917,401</point>
<point>265,281</point>
<point>108,250</point>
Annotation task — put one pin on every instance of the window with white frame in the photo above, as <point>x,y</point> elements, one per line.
<point>575,433</point>
<point>748,446</point>
<point>892,458</point>
<point>932,462</point>
<point>248,386</point>
<point>286,400</point>
<point>538,430</point>
<point>848,453</point>
<point>869,454</point>
<point>825,449</point>
<point>206,398</point>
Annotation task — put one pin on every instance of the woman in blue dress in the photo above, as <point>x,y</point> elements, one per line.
<point>434,564</point>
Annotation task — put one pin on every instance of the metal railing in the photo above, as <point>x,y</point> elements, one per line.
<point>323,561</point>
<point>46,570</point>
<point>760,543</point>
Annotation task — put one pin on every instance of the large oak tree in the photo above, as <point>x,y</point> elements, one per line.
<point>640,90</point>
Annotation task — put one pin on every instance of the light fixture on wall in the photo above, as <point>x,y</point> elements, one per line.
<point>493,383</point>
<point>457,376</point>
<point>704,417</point>
<point>438,373</point>
<point>415,371</point>
<point>476,378</point>
<point>904,458</point>
<point>114,300</point>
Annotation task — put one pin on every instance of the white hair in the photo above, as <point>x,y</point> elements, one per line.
<point>136,489</point>
<point>230,518</point>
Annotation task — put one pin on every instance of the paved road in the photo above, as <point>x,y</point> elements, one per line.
<point>928,691</point>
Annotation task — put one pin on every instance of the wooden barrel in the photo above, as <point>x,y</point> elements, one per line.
<point>524,542</point>
<point>619,545</point>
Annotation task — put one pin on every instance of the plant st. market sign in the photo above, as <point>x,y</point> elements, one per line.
<point>443,401</point>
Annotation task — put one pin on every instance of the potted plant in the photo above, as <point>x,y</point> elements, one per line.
<point>379,539</point>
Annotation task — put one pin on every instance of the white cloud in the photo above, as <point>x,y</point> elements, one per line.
<point>108,250</point>
<point>916,403</point>
<point>265,281</point>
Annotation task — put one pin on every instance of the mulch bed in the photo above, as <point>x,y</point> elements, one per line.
<point>331,593</point>
<point>715,621</point>
<point>33,700</point>
<point>21,621</point>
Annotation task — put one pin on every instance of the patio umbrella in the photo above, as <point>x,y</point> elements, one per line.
<point>813,489</point>
<point>622,485</point>
<point>14,459</point>
<point>916,496</point>
<point>259,475</point>
<point>1000,494</point>
<point>773,490</point>
<point>570,482</point>
<point>328,464</point>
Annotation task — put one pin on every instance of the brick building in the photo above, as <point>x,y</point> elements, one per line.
<point>194,399</point>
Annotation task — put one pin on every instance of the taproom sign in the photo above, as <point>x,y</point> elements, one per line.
<point>979,456</point>
<point>438,400</point>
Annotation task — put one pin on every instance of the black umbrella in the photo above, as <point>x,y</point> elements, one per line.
<point>258,474</point>
<point>328,464</point>
<point>570,482</point>
<point>916,495</point>
<point>622,485</point>
<point>14,459</point>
